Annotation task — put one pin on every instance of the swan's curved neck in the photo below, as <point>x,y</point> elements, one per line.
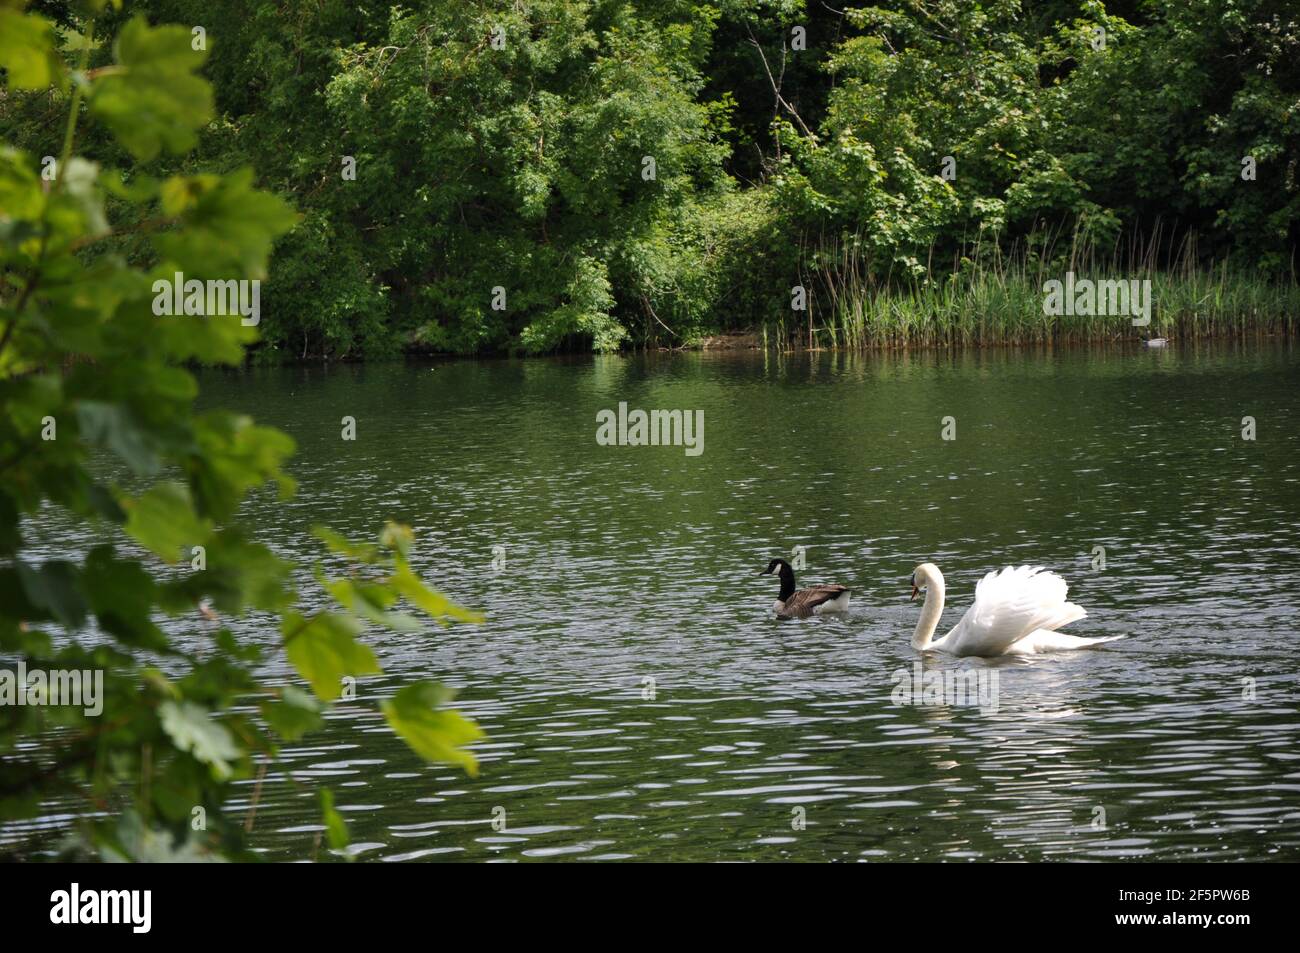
<point>930,613</point>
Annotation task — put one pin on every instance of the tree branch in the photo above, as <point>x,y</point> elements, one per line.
<point>776,87</point>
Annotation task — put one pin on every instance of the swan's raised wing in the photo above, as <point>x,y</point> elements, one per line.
<point>1008,606</point>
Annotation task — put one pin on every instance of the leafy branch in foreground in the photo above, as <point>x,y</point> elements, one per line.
<point>89,369</point>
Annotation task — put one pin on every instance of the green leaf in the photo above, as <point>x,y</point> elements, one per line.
<point>116,427</point>
<point>237,650</point>
<point>397,536</point>
<point>103,503</point>
<point>360,552</point>
<point>220,341</point>
<point>13,596</point>
<point>236,456</point>
<point>295,714</point>
<point>335,830</point>
<point>438,606</point>
<point>192,729</point>
<point>324,648</point>
<point>28,52</point>
<point>229,226</point>
<point>164,522</point>
<point>21,197</point>
<point>121,594</point>
<point>242,575</point>
<point>56,588</point>
<point>154,101</point>
<point>10,538</point>
<point>436,734</point>
<point>371,602</point>
<point>79,178</point>
<point>135,842</point>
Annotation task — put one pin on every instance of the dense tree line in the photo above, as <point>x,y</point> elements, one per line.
<point>599,173</point>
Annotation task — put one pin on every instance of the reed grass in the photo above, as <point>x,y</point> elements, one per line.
<point>991,296</point>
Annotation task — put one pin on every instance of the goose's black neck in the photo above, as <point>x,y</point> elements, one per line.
<point>787,582</point>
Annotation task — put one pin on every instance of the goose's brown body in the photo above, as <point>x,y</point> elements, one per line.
<point>799,604</point>
<point>806,602</point>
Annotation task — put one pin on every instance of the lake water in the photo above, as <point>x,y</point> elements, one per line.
<point>642,702</point>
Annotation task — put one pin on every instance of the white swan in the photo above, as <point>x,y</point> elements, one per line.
<point>1016,612</point>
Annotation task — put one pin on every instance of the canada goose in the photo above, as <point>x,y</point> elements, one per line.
<point>811,601</point>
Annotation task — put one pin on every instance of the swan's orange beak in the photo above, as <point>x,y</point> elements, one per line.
<point>914,592</point>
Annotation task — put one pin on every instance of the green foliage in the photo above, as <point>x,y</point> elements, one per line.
<point>324,648</point>
<point>163,520</point>
<point>516,166</point>
<point>93,382</point>
<point>335,828</point>
<point>1087,124</point>
<point>150,98</point>
<point>192,729</point>
<point>501,146</point>
<point>519,167</point>
<point>416,713</point>
<point>1072,137</point>
<point>27,49</point>
<point>295,714</point>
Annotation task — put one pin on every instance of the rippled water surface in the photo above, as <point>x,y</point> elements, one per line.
<point>641,701</point>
